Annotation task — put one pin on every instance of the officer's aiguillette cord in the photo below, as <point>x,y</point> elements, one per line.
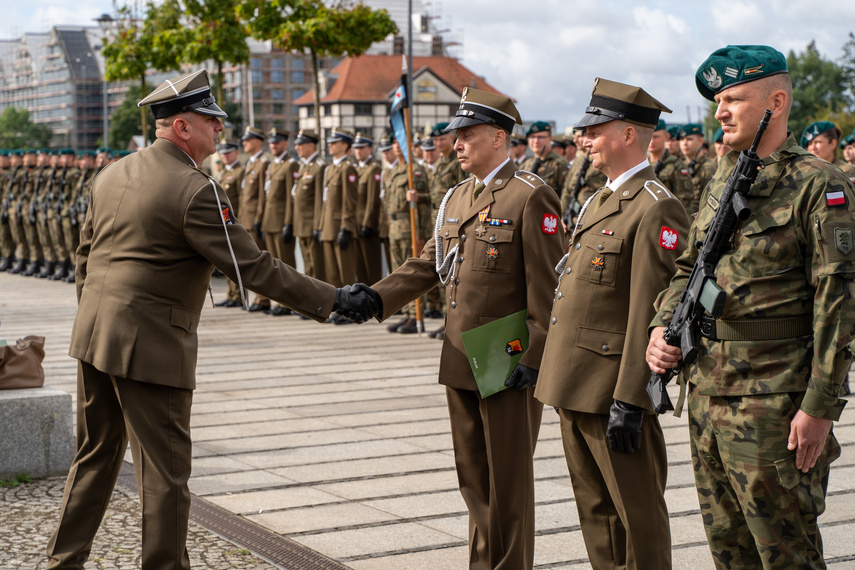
<point>229,242</point>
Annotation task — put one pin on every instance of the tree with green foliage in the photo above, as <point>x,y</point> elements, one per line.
<point>214,32</point>
<point>341,28</point>
<point>819,89</point>
<point>137,45</point>
<point>17,131</point>
<point>125,120</point>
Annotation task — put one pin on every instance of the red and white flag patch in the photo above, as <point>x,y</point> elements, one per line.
<point>296,175</point>
<point>668,238</point>
<point>377,177</point>
<point>351,177</point>
<point>550,223</point>
<point>835,199</point>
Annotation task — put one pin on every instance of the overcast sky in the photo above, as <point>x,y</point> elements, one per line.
<point>546,53</point>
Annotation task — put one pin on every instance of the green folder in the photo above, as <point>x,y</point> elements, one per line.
<point>495,349</point>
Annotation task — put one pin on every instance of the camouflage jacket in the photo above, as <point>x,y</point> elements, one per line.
<point>594,180</point>
<point>397,206</point>
<point>552,170</point>
<point>701,170</point>
<point>446,174</point>
<point>847,169</point>
<point>794,256</point>
<point>674,174</point>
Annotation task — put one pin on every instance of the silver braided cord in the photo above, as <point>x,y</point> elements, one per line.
<point>563,263</point>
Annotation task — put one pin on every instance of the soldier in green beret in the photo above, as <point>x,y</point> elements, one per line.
<point>847,145</point>
<point>669,169</point>
<point>764,391</point>
<point>821,139</point>
<point>721,149</point>
<point>701,168</point>
<point>545,162</point>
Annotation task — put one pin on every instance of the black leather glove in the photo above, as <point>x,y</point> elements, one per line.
<point>287,233</point>
<point>343,238</point>
<point>357,302</point>
<point>366,232</point>
<point>624,428</point>
<point>258,231</point>
<point>522,377</point>
<point>317,235</point>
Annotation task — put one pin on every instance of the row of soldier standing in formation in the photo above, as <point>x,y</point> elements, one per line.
<point>43,199</point>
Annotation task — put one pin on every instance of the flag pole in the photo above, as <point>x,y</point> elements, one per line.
<point>420,325</point>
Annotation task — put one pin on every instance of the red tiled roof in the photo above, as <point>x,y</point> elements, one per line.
<point>373,77</point>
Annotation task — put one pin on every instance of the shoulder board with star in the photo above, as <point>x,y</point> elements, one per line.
<point>529,178</point>
<point>320,161</point>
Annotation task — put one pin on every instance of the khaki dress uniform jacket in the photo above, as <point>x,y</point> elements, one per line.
<point>339,212</point>
<point>552,169</point>
<point>501,269</point>
<point>619,259</point>
<point>231,180</point>
<point>369,211</point>
<point>252,204</point>
<point>308,193</point>
<point>155,229</point>
<point>280,179</point>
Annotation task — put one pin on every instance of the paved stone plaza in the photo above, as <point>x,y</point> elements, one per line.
<point>336,439</point>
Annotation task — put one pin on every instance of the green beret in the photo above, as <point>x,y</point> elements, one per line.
<point>815,129</point>
<point>847,140</point>
<point>438,129</point>
<point>4,152</point>
<point>674,131</point>
<point>734,65</point>
<point>660,126</point>
<point>103,149</point>
<point>538,127</point>
<point>719,136</point>
<point>691,129</point>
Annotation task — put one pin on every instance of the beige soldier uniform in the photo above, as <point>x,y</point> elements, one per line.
<point>252,208</point>
<point>18,215</point>
<point>231,179</point>
<point>308,200</point>
<point>338,217</point>
<point>280,180</point>
<point>59,222</point>
<point>369,212</point>
<point>29,198</point>
<point>7,244</point>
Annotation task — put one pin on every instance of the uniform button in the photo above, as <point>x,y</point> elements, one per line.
<point>569,269</point>
<point>457,281</point>
<point>461,259</point>
<point>600,247</point>
<point>453,305</point>
<point>578,245</point>
<point>560,294</point>
<point>552,320</point>
<point>319,310</point>
<point>446,234</point>
<point>605,348</point>
<point>463,237</point>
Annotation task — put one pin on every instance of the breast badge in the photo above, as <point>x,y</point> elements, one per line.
<point>492,252</point>
<point>598,263</point>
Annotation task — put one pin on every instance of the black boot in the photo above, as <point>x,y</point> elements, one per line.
<point>61,270</point>
<point>32,269</point>
<point>47,270</point>
<point>70,277</point>
<point>5,263</point>
<point>18,267</point>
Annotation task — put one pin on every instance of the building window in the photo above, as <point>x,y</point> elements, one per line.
<point>256,76</point>
<point>257,111</point>
<point>277,63</point>
<point>363,109</point>
<point>255,63</point>
<point>297,93</point>
<point>278,109</point>
<point>298,64</point>
<point>298,77</point>
<point>277,77</point>
<point>276,94</point>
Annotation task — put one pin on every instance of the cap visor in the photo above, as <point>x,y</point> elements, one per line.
<point>213,110</point>
<point>589,120</point>
<point>461,122</point>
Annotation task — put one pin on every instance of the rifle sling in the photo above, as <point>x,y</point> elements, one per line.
<point>756,329</point>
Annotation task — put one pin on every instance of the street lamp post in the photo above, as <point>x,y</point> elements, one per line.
<point>105,21</point>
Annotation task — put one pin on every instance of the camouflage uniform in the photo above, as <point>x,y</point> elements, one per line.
<point>7,244</point>
<point>847,169</point>
<point>398,214</point>
<point>701,170</point>
<point>674,174</point>
<point>446,174</point>
<point>794,257</point>
<point>552,169</point>
<point>594,180</point>
<point>18,216</point>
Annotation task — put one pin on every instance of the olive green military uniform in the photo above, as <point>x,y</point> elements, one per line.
<point>446,175</point>
<point>58,221</point>
<point>701,171</point>
<point>252,204</point>
<point>369,212</point>
<point>231,179</point>
<point>339,213</point>
<point>593,181</point>
<point>7,243</point>
<point>792,261</point>
<point>32,191</point>
<point>552,169</point>
<point>70,215</point>
<point>280,179</point>
<point>308,201</point>
<point>847,169</point>
<point>674,174</point>
<point>18,216</point>
<point>398,214</point>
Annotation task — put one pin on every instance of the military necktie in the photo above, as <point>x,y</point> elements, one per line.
<point>604,194</point>
<point>476,191</point>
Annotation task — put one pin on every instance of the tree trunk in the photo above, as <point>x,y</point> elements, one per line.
<point>220,99</point>
<point>143,110</point>
<point>317,82</point>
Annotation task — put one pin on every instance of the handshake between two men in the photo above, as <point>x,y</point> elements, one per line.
<point>357,302</point>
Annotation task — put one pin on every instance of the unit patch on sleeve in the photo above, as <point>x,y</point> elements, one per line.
<point>550,223</point>
<point>227,216</point>
<point>668,238</point>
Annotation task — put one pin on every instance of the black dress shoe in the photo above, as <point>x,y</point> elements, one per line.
<point>303,317</point>
<point>395,326</point>
<point>61,270</point>
<point>5,263</point>
<point>411,326</point>
<point>19,267</point>
<point>257,308</point>
<point>438,333</point>
<point>433,314</point>
<point>342,320</point>
<point>32,269</point>
<point>70,277</point>
<point>47,270</point>
<point>280,311</point>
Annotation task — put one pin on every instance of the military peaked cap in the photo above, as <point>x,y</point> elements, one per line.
<point>361,140</point>
<point>252,133</point>
<point>386,144</point>
<point>275,135</point>
<point>427,144</point>
<point>340,135</point>
<point>227,146</point>
<point>304,137</point>
<point>734,65</point>
<point>612,101</point>
<point>189,93</point>
<point>481,108</point>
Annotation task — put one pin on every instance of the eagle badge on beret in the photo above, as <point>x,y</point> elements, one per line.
<point>712,78</point>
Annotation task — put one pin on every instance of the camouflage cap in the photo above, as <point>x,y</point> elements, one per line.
<point>360,141</point>
<point>734,65</point>
<point>691,129</point>
<point>252,133</point>
<point>439,129</point>
<point>275,135</point>
<point>612,101</point>
<point>482,108</point>
<point>340,135</point>
<point>304,137</point>
<point>188,93</point>
<point>847,140</point>
<point>719,136</point>
<point>674,131</point>
<point>817,128</point>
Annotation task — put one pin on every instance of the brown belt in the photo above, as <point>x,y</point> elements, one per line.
<point>757,329</point>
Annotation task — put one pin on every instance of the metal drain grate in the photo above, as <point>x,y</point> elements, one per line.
<point>263,543</point>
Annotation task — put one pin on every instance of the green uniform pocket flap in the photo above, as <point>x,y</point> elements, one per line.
<point>184,318</point>
<point>496,234</point>
<point>773,219</point>
<point>603,342</point>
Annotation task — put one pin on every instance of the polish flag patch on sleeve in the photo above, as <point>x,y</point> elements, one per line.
<point>351,177</point>
<point>835,199</point>
<point>668,238</point>
<point>377,177</point>
<point>550,223</point>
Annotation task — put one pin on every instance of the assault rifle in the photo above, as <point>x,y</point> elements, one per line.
<point>701,291</point>
<point>7,203</point>
<point>573,206</point>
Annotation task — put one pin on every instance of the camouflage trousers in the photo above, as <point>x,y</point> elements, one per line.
<point>758,510</point>
<point>7,244</point>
